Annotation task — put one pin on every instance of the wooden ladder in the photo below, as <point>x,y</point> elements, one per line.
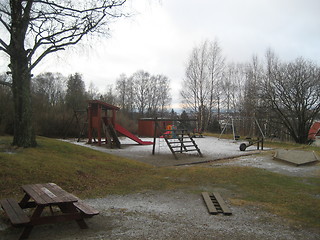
<point>180,141</point>
<point>111,135</point>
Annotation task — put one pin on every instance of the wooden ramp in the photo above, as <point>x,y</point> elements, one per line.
<point>215,203</point>
<point>111,135</point>
<point>296,157</point>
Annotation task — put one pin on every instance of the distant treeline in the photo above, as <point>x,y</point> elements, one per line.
<point>57,98</point>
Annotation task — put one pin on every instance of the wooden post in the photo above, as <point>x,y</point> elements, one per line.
<point>89,124</point>
<point>99,124</point>
<point>154,136</point>
<point>113,121</point>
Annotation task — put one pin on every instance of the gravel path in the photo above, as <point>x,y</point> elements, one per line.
<point>170,215</point>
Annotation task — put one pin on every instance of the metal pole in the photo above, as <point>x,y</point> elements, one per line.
<point>234,137</point>
<point>224,128</point>
<point>259,127</point>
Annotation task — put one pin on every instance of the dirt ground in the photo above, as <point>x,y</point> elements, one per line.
<point>178,214</point>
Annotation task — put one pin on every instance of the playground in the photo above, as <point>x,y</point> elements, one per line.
<point>212,149</point>
<point>168,145</point>
<point>216,153</point>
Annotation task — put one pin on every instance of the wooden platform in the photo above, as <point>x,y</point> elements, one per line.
<point>296,157</point>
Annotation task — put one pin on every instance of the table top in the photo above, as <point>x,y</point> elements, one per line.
<point>48,194</point>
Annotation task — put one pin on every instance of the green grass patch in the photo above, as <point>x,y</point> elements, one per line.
<point>89,173</point>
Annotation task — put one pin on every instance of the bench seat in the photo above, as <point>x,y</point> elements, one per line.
<point>16,215</point>
<point>85,209</point>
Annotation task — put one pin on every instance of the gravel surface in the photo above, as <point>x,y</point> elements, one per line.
<point>211,148</point>
<point>170,215</point>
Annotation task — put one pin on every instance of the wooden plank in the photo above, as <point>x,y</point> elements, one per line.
<point>222,204</point>
<point>16,215</point>
<point>46,194</point>
<point>35,194</point>
<point>86,209</point>
<point>211,208</point>
<point>63,194</point>
<point>41,195</point>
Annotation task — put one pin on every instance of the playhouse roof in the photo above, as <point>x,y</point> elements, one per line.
<point>104,105</point>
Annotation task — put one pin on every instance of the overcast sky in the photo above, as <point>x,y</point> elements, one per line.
<point>161,35</point>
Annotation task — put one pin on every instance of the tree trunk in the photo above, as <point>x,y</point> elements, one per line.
<point>24,135</point>
<point>21,77</point>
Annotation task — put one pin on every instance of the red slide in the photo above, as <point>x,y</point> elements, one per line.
<point>133,137</point>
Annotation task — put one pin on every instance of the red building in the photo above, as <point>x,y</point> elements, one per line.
<point>146,126</point>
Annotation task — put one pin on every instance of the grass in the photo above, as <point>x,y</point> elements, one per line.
<point>88,173</point>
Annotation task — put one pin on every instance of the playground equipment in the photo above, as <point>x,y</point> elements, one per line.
<point>237,126</point>
<point>243,146</point>
<point>235,137</point>
<point>80,116</point>
<point>178,140</point>
<point>102,119</point>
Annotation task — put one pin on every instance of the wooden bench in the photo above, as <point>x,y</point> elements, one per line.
<point>15,213</point>
<point>85,209</point>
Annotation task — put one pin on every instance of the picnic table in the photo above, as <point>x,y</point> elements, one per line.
<point>41,196</point>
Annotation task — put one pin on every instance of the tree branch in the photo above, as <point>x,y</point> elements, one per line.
<point>4,46</point>
<point>8,84</point>
<point>4,24</point>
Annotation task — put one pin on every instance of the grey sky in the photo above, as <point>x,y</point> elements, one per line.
<point>160,37</point>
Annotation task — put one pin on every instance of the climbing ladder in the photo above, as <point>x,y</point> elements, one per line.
<point>179,141</point>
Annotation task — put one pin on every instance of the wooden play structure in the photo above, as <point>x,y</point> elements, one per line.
<point>178,140</point>
<point>102,122</point>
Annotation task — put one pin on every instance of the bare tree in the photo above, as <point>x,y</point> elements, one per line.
<point>293,93</point>
<point>109,96</point>
<point>121,89</point>
<point>149,94</point>
<point>93,92</point>
<point>195,85</point>
<point>202,85</point>
<point>141,81</point>
<point>216,65</point>
<point>252,87</point>
<point>36,28</point>
<point>49,87</point>
<point>163,94</point>
<point>232,85</point>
